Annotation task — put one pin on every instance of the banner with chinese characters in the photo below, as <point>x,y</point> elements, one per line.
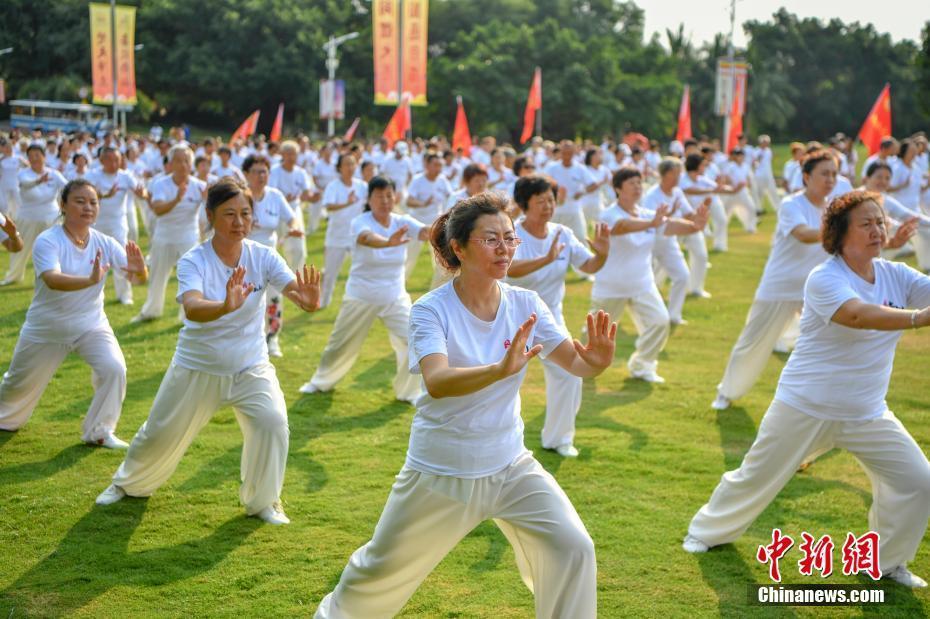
<point>332,99</point>
<point>413,55</point>
<point>386,34</point>
<point>101,50</point>
<point>731,85</point>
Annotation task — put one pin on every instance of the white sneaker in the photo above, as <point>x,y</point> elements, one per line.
<point>273,514</point>
<point>906,577</point>
<point>111,495</point>
<point>141,318</point>
<point>127,301</point>
<point>649,377</point>
<point>700,294</point>
<point>694,545</point>
<point>567,451</point>
<point>309,388</point>
<point>274,349</point>
<point>720,403</point>
<point>110,441</point>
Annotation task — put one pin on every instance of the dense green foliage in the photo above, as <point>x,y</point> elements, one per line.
<point>211,62</point>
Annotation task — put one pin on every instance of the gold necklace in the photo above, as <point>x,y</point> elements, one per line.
<point>82,243</point>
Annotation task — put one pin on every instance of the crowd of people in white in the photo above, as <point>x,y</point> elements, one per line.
<point>504,229</point>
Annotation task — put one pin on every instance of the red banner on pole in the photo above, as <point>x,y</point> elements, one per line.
<point>278,125</point>
<point>399,124</point>
<point>461,136</point>
<point>350,133</point>
<point>533,104</point>
<point>684,116</point>
<point>415,29</point>
<point>126,54</point>
<point>385,16</point>
<point>877,124</point>
<point>101,52</point>
<point>247,127</point>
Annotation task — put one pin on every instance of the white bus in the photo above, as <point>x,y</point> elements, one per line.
<point>48,115</point>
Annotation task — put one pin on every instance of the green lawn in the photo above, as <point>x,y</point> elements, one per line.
<point>650,456</point>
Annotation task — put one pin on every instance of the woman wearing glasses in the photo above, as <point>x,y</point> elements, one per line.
<point>375,289</point>
<point>471,340</point>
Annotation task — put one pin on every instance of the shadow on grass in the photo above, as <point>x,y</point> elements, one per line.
<point>93,557</point>
<point>725,571</point>
<point>31,471</point>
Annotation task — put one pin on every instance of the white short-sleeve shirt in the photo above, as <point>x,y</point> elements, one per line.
<point>574,178</point>
<point>179,225</point>
<point>58,316</point>
<point>268,214</point>
<point>549,281</point>
<point>339,227</point>
<point>112,216</point>
<point>790,261</point>
<point>837,372</point>
<point>377,274</point>
<point>628,270</point>
<point>422,189</point>
<point>234,342</point>
<point>39,202</point>
<point>479,434</point>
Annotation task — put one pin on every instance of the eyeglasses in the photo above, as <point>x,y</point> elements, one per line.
<point>495,243</point>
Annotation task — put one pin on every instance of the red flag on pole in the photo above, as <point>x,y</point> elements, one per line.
<point>684,116</point>
<point>533,104</point>
<point>736,125</point>
<point>278,125</point>
<point>247,127</point>
<point>399,123</point>
<point>350,132</point>
<point>461,137</point>
<point>877,124</point>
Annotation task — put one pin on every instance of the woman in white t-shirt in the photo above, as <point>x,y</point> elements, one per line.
<point>221,360</point>
<point>375,289</point>
<point>10,165</point>
<point>796,250</point>
<point>878,179</point>
<point>66,315</point>
<point>832,394</point>
<point>540,263</point>
<point>78,167</point>
<point>907,177</point>
<point>344,199</point>
<point>471,340</point>
<point>628,279</point>
<point>668,259</point>
<point>740,202</point>
<point>592,202</point>
<point>176,201</point>
<point>39,187</point>
<point>698,186</point>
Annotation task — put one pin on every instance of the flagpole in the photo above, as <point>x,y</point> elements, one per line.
<point>408,134</point>
<point>113,58</point>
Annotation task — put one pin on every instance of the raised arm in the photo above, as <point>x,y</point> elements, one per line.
<point>857,314</point>
<point>588,360</point>
<point>199,309</point>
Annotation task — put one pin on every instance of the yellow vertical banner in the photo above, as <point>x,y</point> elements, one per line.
<point>125,54</point>
<point>386,33</point>
<point>415,30</point>
<point>101,50</point>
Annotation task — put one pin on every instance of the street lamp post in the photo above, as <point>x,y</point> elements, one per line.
<point>332,63</point>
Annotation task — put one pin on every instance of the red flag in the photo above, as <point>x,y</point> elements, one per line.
<point>247,127</point>
<point>350,133</point>
<point>736,125</point>
<point>278,124</point>
<point>461,137</point>
<point>684,116</point>
<point>399,124</point>
<point>533,104</point>
<point>877,124</point>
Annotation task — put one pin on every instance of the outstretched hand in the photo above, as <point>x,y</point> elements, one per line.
<point>237,291</point>
<point>518,353</point>
<point>904,233</point>
<point>660,216</point>
<point>600,244</point>
<point>702,214</point>
<point>307,294</point>
<point>99,270</point>
<point>398,238</point>
<point>602,339</point>
<point>135,262</point>
<point>556,248</point>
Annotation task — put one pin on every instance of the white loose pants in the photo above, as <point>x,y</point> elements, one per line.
<point>121,284</point>
<point>163,257</point>
<point>349,332</point>
<point>9,201</point>
<point>563,399</point>
<point>426,516</point>
<point>743,206</point>
<point>413,254</point>
<point>29,230</point>
<point>895,464</point>
<point>651,321</point>
<point>185,402</point>
<point>294,248</point>
<point>668,258</point>
<point>34,364</point>
<point>333,259</point>
<point>765,187</point>
<point>766,322</point>
<point>697,260</point>
<point>574,220</point>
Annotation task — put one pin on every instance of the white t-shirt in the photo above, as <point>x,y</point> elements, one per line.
<point>234,342</point>
<point>179,225</point>
<point>677,202</point>
<point>291,183</point>
<point>763,159</point>
<point>912,177</point>
<point>398,170</point>
<point>574,178</point>
<point>324,172</point>
<point>377,274</point>
<point>421,188</point>
<point>39,203</point>
<point>549,281</point>
<point>268,215</point>
<point>601,174</point>
<point>479,434</point>
<point>339,228</point>
<point>791,261</point>
<point>498,181</point>
<point>791,175</point>
<point>628,270</point>
<point>702,182</point>
<point>112,216</point>
<point>454,198</point>
<point>222,171</point>
<point>9,169</point>
<point>837,372</point>
<point>842,186</point>
<point>58,316</point>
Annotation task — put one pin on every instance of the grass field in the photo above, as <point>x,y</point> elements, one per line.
<point>650,456</point>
